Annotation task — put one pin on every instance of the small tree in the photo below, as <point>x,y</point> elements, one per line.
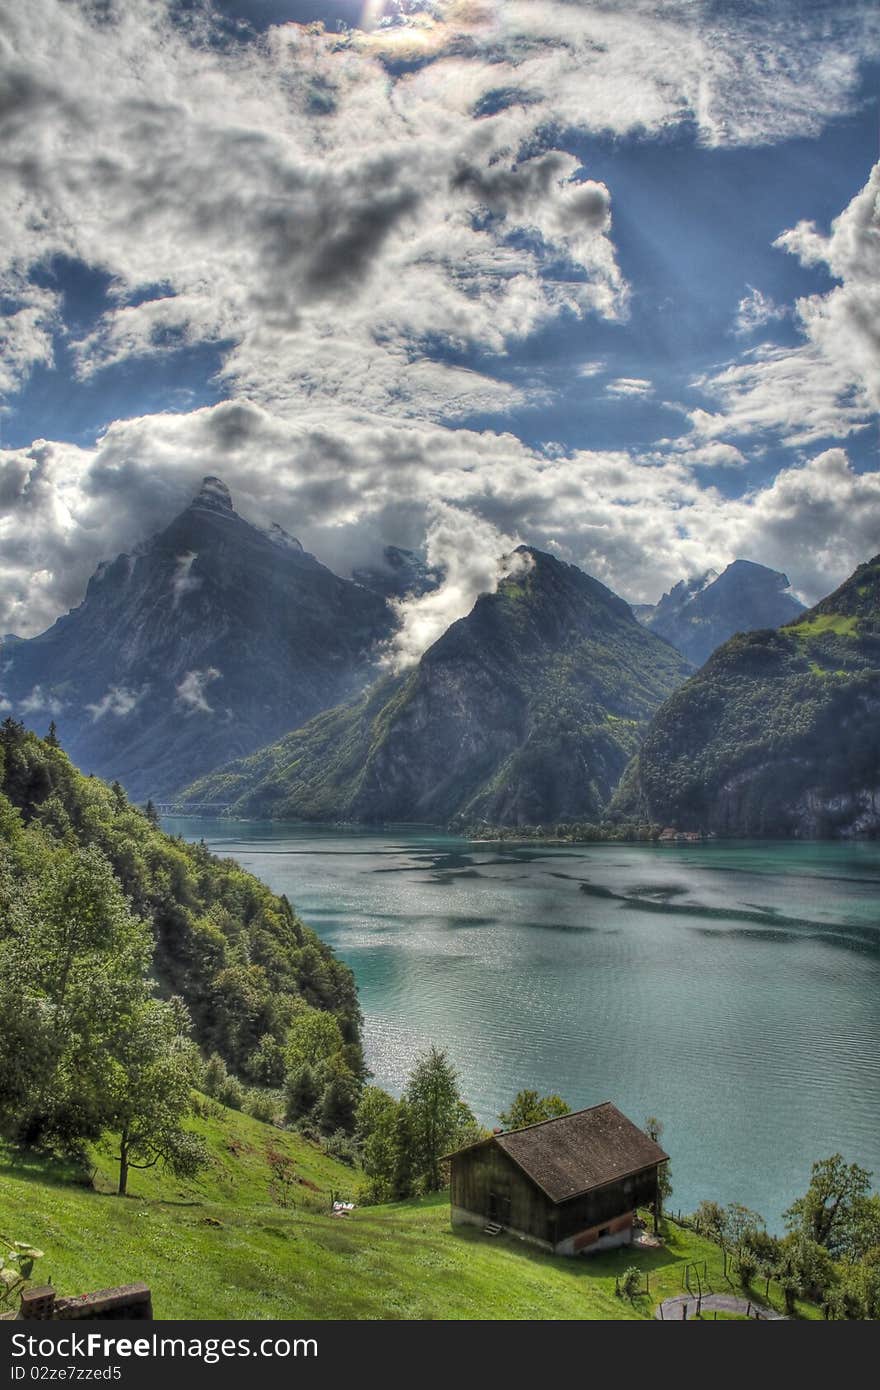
<point>52,736</point>
<point>283,1176</point>
<point>654,1130</point>
<point>151,814</point>
<point>710,1219</point>
<point>530,1108</point>
<point>155,1068</point>
<point>746,1267</point>
<point>432,1097</point>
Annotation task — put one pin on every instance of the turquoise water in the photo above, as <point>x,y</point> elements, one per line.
<point>733,990</point>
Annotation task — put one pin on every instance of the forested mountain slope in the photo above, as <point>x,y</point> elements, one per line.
<point>779,732</point>
<point>525,711</point>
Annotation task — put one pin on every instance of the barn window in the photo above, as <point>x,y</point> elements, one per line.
<point>605,1231</point>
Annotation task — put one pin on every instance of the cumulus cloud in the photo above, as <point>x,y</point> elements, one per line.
<point>27,332</point>
<point>191,692</point>
<point>756,309</point>
<point>321,210</point>
<point>828,386</point>
<point>350,485</point>
<point>473,557</point>
<point>325,216</point>
<point>118,700</point>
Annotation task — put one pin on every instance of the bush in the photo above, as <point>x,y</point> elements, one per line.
<point>339,1145</point>
<point>631,1282</point>
<point>266,1106</point>
<point>231,1093</point>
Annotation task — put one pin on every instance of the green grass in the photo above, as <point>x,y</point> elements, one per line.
<point>842,625</point>
<point>218,1247</point>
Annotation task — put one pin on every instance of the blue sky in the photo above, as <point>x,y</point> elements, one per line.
<point>599,277</point>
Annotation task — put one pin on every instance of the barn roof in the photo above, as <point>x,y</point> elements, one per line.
<point>574,1153</point>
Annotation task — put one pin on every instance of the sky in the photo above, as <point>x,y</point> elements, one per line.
<point>601,277</point>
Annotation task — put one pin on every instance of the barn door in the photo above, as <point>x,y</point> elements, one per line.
<point>499,1208</point>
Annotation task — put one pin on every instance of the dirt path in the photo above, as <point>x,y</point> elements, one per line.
<point>671,1308</point>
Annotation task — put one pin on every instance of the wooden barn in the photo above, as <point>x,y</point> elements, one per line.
<point>570,1185</point>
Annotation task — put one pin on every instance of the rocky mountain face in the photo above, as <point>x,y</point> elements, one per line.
<point>697,615</point>
<point>778,734</point>
<point>210,640</point>
<point>524,712</point>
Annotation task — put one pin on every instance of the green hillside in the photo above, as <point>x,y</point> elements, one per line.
<point>778,734</point>
<point>524,712</point>
<point>217,1246</point>
<point>236,953</point>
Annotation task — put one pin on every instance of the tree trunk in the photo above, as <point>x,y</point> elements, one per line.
<point>123,1164</point>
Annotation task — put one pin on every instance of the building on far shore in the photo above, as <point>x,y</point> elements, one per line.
<point>569,1185</point>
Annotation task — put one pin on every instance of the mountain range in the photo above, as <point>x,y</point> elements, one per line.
<point>220,664</point>
<point>778,734</point>
<point>527,710</point>
<point>697,615</point>
<point>208,641</point>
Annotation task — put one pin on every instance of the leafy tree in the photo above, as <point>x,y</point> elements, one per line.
<point>301,1092</point>
<point>741,1226</point>
<point>154,1068</point>
<point>266,1064</point>
<point>214,1075</point>
<point>808,1262</point>
<point>833,1210</point>
<point>404,1177</point>
<point>314,1037</point>
<point>710,1220</point>
<point>338,1103</point>
<point>376,1136</point>
<point>530,1108</point>
<point>435,1114</point>
<point>654,1130</point>
<point>76,958</point>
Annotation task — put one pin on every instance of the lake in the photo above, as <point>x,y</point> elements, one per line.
<point>731,989</point>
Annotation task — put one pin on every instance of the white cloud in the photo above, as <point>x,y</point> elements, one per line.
<point>630,386</point>
<point>41,700</point>
<point>755,310</point>
<point>348,485</point>
<point>118,700</point>
<point>191,692</point>
<point>829,385</point>
<point>321,218</point>
<point>324,221</point>
<point>473,557</point>
<point>26,333</point>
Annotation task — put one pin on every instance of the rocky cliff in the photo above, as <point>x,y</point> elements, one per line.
<point>213,638</point>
